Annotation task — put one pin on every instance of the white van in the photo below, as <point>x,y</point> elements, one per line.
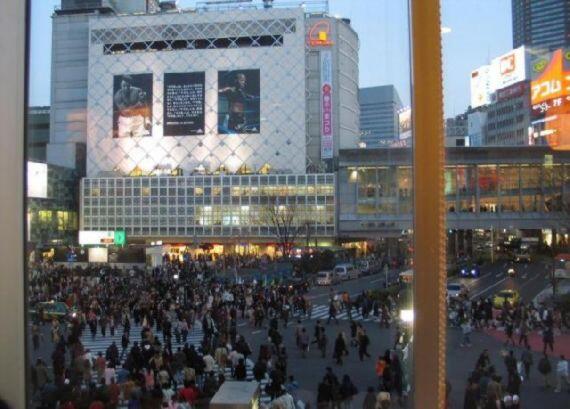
<point>326,278</point>
<point>346,272</point>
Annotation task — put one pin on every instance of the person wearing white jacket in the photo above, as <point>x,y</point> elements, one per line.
<point>562,374</point>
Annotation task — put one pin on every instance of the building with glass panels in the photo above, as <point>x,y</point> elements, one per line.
<point>541,23</point>
<point>219,209</point>
<point>525,188</point>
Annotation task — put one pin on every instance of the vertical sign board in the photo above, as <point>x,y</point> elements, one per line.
<point>326,105</point>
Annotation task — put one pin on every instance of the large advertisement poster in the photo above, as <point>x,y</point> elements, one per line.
<point>239,102</point>
<point>132,105</point>
<point>481,86</point>
<point>405,122</point>
<point>183,103</point>
<point>509,68</point>
<point>550,99</point>
<point>327,148</point>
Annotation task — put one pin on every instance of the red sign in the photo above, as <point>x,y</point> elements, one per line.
<point>514,91</point>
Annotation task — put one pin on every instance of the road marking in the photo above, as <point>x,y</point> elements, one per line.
<point>255,332</point>
<point>243,324</point>
<point>498,275</point>
<point>488,288</point>
<point>375,281</point>
<point>524,276</point>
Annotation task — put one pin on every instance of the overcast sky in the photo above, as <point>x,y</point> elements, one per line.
<point>480,31</point>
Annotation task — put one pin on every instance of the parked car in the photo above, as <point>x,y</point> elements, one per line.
<point>50,310</point>
<point>326,278</point>
<point>346,272</point>
<point>511,296</point>
<point>455,290</point>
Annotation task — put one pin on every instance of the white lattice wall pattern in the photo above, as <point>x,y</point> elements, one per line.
<point>281,142</point>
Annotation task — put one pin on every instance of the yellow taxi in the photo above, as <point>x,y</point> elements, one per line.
<point>512,296</point>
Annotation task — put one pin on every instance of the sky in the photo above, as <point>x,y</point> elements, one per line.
<point>480,31</point>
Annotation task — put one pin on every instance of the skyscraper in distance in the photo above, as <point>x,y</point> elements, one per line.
<point>541,24</point>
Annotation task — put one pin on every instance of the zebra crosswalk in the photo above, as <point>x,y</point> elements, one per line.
<point>322,312</point>
<point>101,344</point>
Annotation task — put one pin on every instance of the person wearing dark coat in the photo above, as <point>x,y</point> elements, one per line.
<point>339,349</point>
<point>471,395</point>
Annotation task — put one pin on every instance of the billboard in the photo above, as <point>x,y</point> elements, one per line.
<point>327,148</point>
<point>481,86</point>
<point>405,123</point>
<point>183,105</point>
<point>37,180</point>
<point>509,68</point>
<point>550,98</point>
<point>132,105</point>
<point>504,71</point>
<point>239,102</point>
<point>513,91</point>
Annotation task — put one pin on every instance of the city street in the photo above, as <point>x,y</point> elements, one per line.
<point>309,371</point>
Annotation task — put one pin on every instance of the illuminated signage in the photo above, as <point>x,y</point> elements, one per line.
<point>550,99</point>
<point>87,237</point>
<point>510,68</point>
<point>326,106</point>
<point>37,180</point>
<point>481,87</point>
<point>320,34</point>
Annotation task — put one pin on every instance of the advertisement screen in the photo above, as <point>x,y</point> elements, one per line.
<point>37,180</point>
<point>550,99</point>
<point>184,104</point>
<point>481,87</point>
<point>509,68</point>
<point>405,122</point>
<point>132,105</point>
<point>239,102</point>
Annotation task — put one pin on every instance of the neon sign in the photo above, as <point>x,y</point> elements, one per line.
<point>319,34</point>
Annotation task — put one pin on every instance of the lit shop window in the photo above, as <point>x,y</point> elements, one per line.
<point>45,216</point>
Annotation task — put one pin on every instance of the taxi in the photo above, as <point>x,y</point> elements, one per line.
<point>512,296</point>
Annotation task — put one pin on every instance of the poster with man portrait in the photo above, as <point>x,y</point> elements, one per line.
<point>239,102</point>
<point>132,105</point>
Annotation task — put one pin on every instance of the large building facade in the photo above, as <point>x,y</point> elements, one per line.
<point>379,108</point>
<point>196,123</point>
<point>541,24</point>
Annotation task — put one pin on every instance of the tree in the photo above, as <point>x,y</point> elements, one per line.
<point>284,223</point>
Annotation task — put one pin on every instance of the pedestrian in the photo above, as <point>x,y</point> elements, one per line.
<point>369,399</point>
<point>466,331</point>
<point>523,333</point>
<point>304,342</point>
<point>527,361</point>
<point>471,397</point>
<point>562,374</point>
<point>332,312</point>
<point>340,349</point>
<point>545,369</point>
<point>347,392</point>
<point>548,339</point>
<point>322,344</point>
<point>363,342</point>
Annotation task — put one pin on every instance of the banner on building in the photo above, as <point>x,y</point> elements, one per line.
<point>183,105</point>
<point>132,105</point>
<point>327,148</point>
<point>239,102</point>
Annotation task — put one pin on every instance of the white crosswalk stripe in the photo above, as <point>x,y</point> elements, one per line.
<point>322,312</point>
<point>100,344</point>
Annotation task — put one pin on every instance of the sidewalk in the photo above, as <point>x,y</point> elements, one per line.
<point>561,342</point>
